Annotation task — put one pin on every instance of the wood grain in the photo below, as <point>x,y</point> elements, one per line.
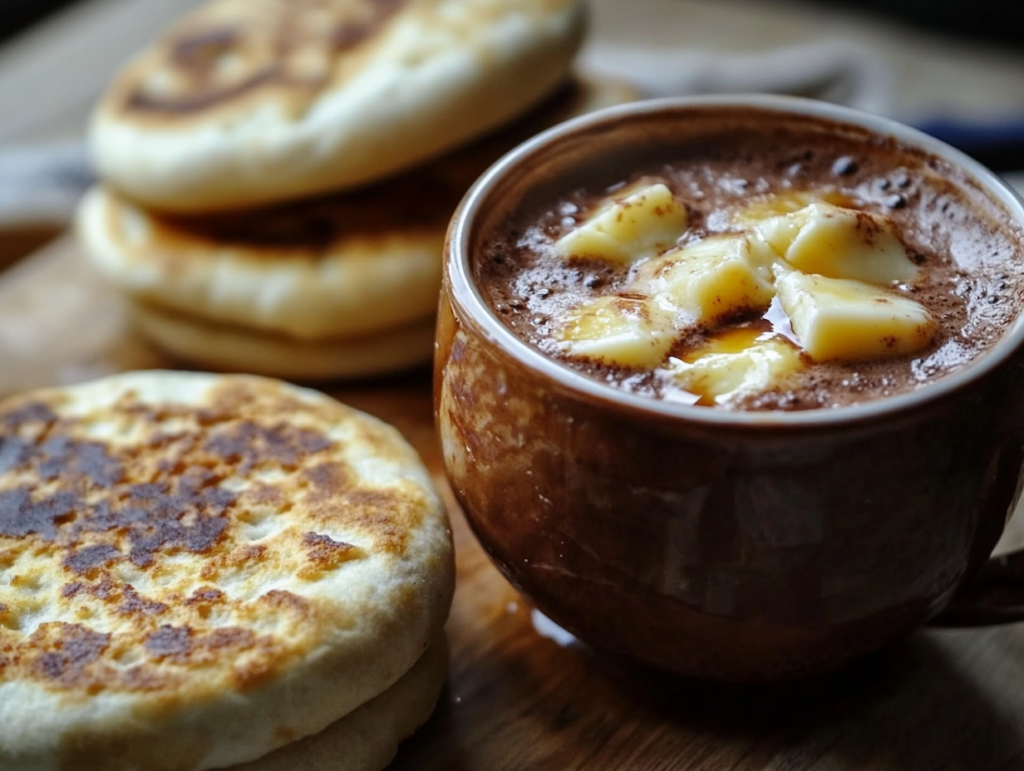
<point>518,699</point>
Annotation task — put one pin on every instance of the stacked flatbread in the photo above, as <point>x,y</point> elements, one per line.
<point>278,175</point>
<point>200,571</point>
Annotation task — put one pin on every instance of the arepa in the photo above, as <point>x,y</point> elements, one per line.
<point>246,102</point>
<point>335,266</point>
<point>196,570</point>
<point>226,348</point>
<point>367,739</point>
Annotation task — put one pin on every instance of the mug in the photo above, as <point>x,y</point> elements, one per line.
<point>740,546</point>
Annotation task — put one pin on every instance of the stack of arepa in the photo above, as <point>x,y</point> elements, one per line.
<point>200,571</point>
<point>277,176</point>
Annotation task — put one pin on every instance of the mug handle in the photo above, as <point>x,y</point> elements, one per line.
<point>994,596</point>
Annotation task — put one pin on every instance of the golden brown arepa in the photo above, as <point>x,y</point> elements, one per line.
<point>336,286</point>
<point>336,266</point>
<point>248,102</point>
<point>199,569</point>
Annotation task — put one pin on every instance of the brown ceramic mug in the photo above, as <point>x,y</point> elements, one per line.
<point>730,545</point>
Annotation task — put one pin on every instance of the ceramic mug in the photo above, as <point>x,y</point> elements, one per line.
<point>741,546</point>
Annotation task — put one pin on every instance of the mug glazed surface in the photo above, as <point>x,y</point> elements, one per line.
<point>728,545</point>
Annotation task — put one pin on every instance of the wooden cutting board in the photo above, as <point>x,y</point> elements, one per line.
<point>520,695</point>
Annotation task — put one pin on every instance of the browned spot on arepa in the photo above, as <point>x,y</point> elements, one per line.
<point>233,54</point>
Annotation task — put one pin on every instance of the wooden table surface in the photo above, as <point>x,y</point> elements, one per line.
<point>519,696</point>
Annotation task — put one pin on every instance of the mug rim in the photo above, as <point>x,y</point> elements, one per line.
<point>467,295</point>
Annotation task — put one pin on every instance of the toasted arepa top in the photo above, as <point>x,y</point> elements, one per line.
<point>252,101</point>
<point>196,569</point>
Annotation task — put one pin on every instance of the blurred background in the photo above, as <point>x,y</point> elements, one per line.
<point>954,69</point>
<point>988,20</point>
<point>20,14</point>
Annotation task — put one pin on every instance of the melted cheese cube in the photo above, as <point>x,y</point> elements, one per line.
<point>620,331</point>
<point>736,363</point>
<point>634,226</point>
<point>711,279</point>
<point>840,319</point>
<point>836,242</point>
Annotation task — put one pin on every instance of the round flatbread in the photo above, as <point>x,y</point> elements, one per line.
<point>199,569</point>
<point>225,348</point>
<point>246,102</point>
<point>368,738</point>
<point>342,265</point>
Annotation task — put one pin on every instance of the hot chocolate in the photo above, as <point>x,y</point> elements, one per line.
<point>760,265</point>
<point>760,540</point>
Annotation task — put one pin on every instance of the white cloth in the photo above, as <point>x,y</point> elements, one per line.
<point>834,70</point>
